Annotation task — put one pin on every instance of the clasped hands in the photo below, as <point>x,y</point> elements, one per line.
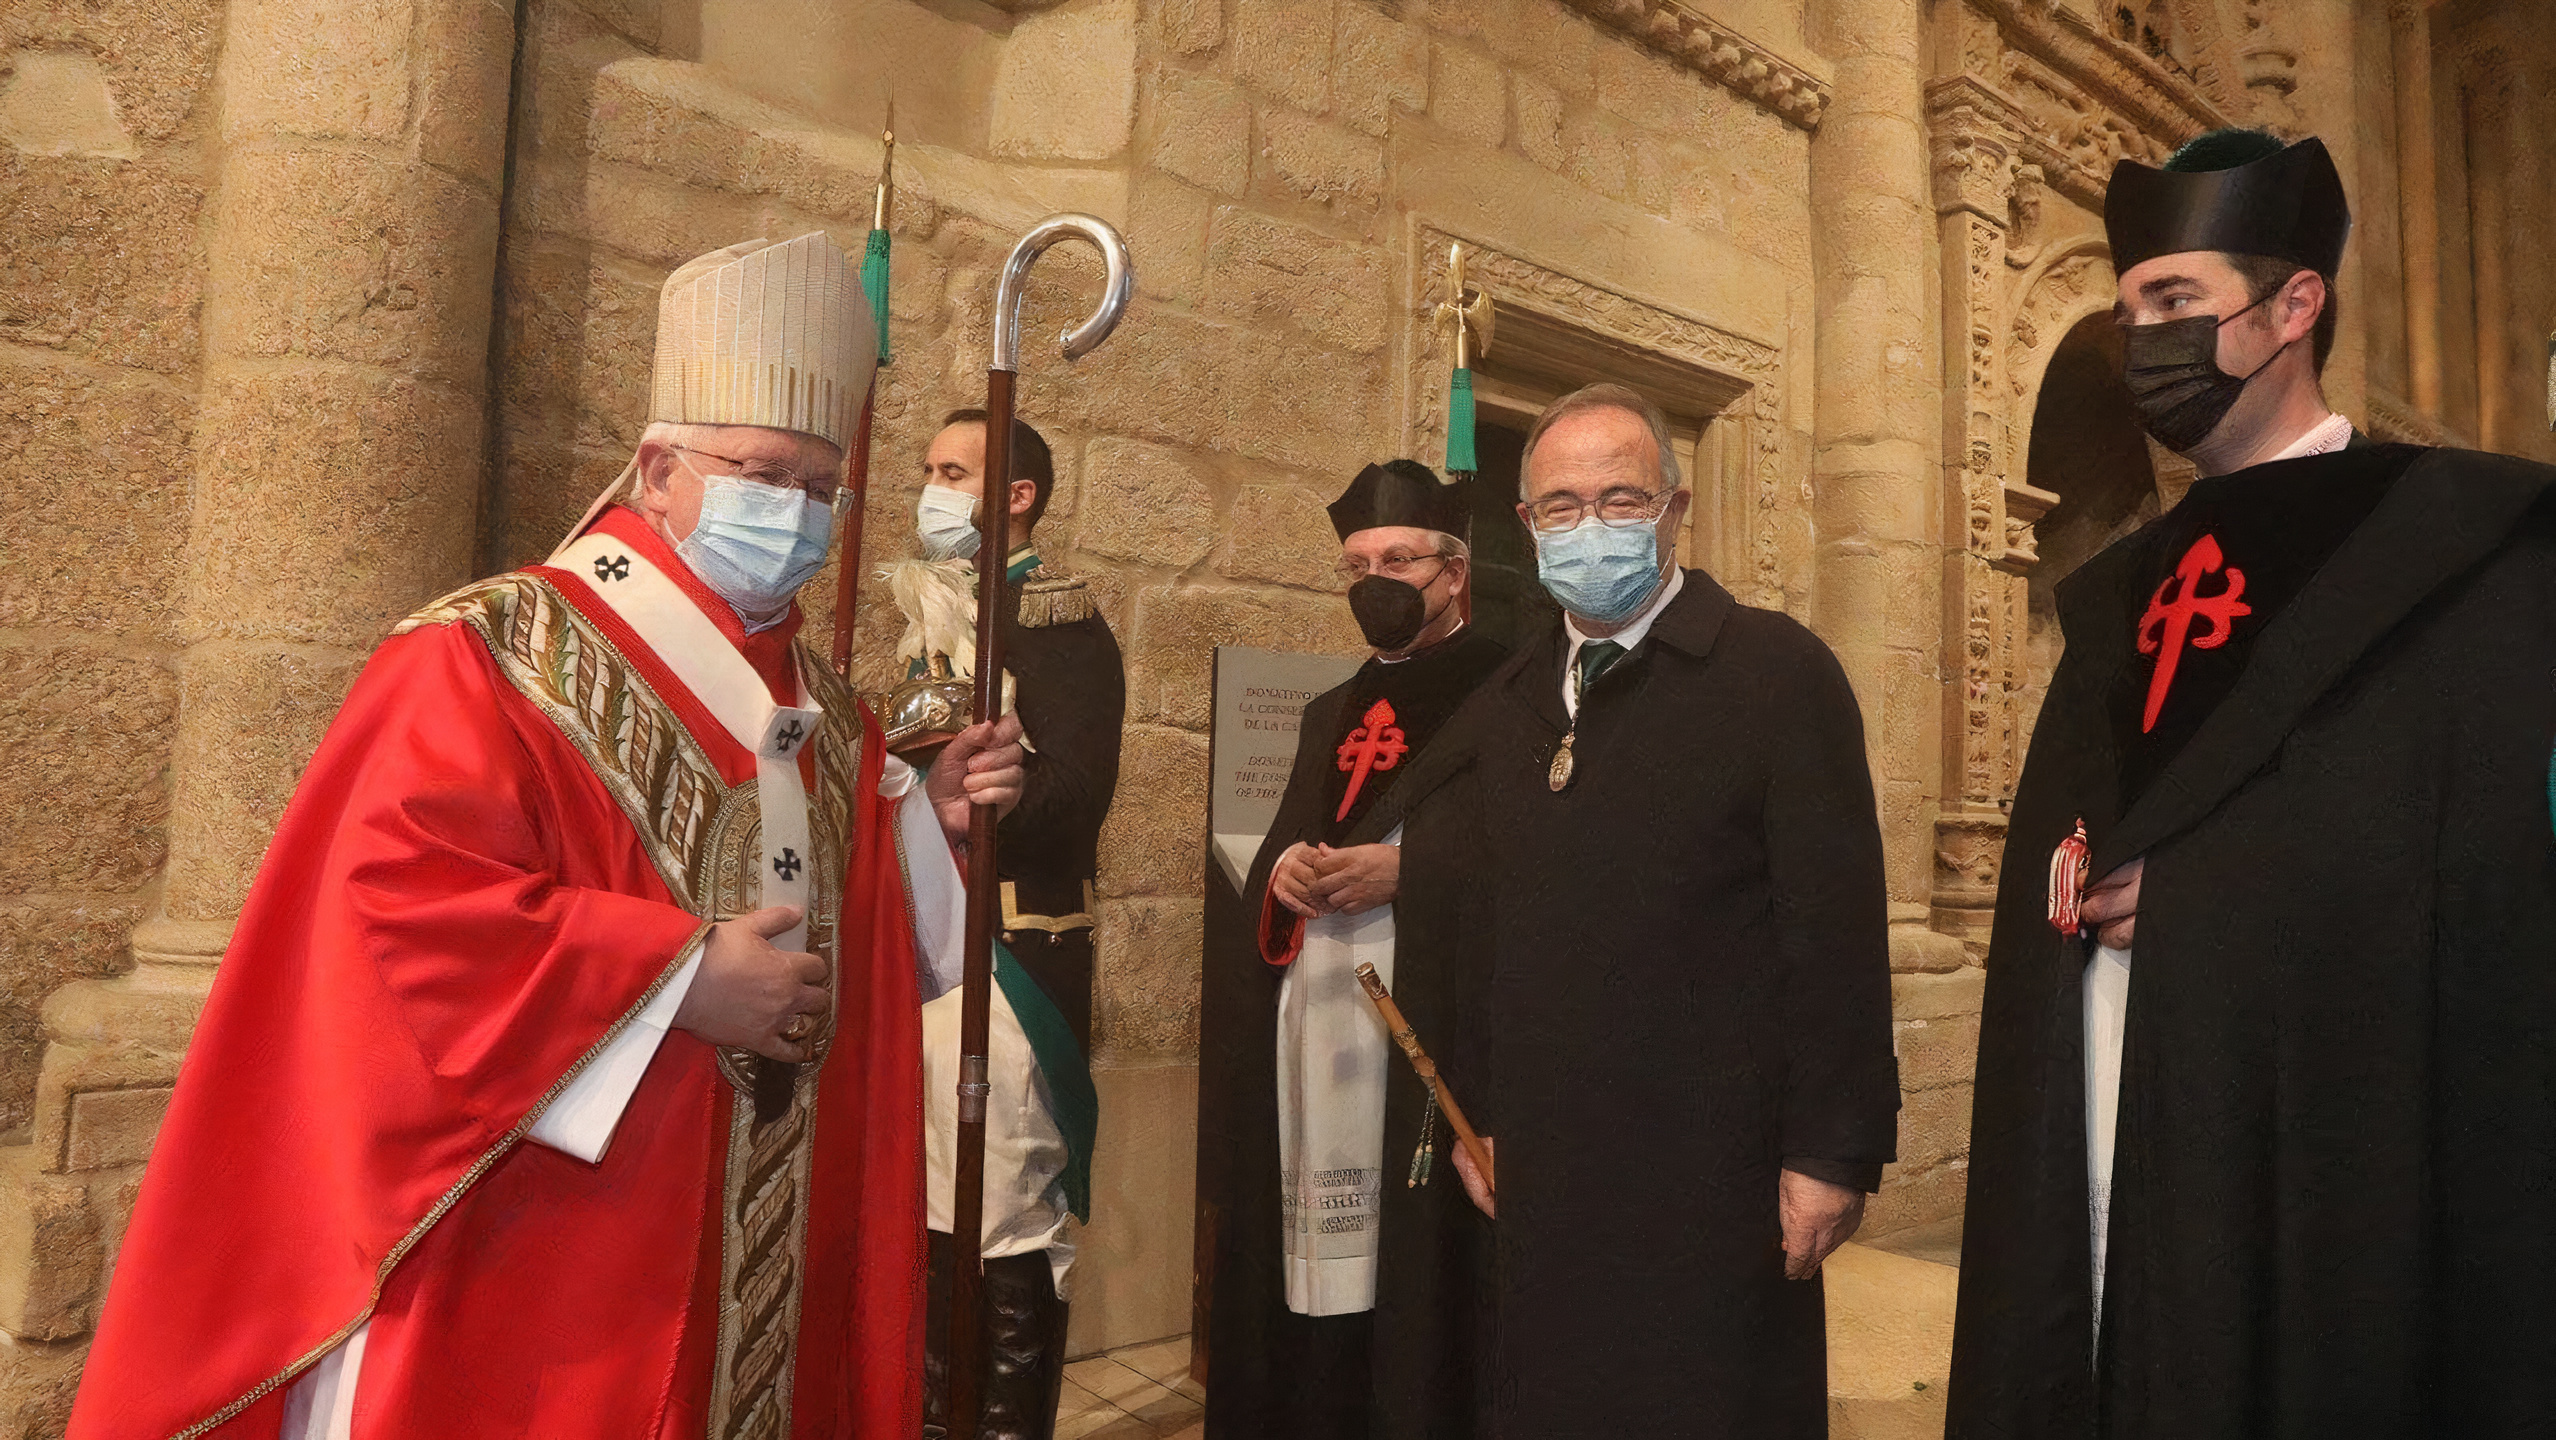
<point>1317,880</point>
<point>752,994</point>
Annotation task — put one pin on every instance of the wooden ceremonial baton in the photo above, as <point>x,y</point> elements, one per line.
<point>1428,1068</point>
<point>984,888</point>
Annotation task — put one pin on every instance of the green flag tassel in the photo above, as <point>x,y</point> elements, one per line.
<point>1460,456</point>
<point>874,283</point>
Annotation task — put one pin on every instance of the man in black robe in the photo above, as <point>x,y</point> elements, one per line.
<point>1679,1043</point>
<point>2293,1172</point>
<point>1293,1158</point>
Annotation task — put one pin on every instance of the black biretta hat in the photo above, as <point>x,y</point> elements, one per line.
<point>1400,492</point>
<point>2288,205</point>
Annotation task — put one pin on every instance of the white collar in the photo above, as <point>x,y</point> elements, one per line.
<point>1628,637</point>
<point>2323,438</point>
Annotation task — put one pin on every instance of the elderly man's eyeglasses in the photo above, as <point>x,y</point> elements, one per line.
<point>766,472</point>
<point>1619,509</point>
<point>1403,567</point>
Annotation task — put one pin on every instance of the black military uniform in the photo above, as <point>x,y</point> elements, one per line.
<point>1071,696</point>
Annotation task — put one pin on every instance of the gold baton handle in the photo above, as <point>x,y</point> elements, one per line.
<point>1427,1068</point>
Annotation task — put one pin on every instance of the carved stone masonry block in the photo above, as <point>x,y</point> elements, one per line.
<point>1718,53</point>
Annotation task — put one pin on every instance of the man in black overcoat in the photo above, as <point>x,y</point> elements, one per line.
<point>2292,1173</point>
<point>1681,1047</point>
<point>1296,1166</point>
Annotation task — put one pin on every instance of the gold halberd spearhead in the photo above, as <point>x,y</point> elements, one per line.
<point>885,197</point>
<point>1467,310</point>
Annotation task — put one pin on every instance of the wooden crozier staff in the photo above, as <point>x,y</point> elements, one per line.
<point>1403,1036</point>
<point>967,1197</point>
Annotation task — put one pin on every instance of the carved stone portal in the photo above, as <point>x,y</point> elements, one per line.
<point>2034,110</point>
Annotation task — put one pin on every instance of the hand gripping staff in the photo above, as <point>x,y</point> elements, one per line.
<point>1403,1036</point>
<point>967,1199</point>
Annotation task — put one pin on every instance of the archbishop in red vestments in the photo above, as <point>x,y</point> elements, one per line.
<point>458,914</point>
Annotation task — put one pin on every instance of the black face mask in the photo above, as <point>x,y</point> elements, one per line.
<point>1391,613</point>
<point>2176,385</point>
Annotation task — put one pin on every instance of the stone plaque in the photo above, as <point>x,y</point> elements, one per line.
<point>1260,696</point>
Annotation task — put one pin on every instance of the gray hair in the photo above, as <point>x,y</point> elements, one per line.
<point>1606,396</point>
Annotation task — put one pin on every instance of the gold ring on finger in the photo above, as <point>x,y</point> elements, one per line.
<point>796,1028</point>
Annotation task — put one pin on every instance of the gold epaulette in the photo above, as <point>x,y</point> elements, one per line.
<point>1048,598</point>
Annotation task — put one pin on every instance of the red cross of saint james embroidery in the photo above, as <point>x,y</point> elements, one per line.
<point>2167,626</point>
<point>1376,745</point>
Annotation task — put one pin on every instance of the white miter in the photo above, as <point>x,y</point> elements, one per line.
<point>759,333</point>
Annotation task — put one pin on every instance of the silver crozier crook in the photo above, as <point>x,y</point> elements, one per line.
<point>967,1199</point>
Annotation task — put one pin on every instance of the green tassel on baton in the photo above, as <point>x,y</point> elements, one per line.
<point>874,284</point>
<point>1460,457</point>
<point>1467,312</point>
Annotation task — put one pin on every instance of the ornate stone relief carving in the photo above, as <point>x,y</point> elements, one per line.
<point>2036,101</point>
<point>2111,76</point>
<point>2069,287</point>
<point>2270,65</point>
<point>1740,378</point>
<point>1718,53</point>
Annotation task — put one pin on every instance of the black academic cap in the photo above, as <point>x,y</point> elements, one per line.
<point>1400,492</point>
<point>2287,204</point>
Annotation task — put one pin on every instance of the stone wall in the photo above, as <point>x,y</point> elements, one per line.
<point>274,367</point>
<point>106,113</point>
<point>247,274</point>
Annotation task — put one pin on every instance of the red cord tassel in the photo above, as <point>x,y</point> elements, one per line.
<point>2068,872</point>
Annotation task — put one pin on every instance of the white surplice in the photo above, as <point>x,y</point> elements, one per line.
<point>1332,1055</point>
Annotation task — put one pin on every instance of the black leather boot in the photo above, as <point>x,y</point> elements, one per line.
<point>1024,1329</point>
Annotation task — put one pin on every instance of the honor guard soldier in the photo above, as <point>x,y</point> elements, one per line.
<point>1063,679</point>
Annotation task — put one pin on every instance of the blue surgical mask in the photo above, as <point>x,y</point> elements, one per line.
<point>756,544</point>
<point>1598,572</point>
<point>945,521</point>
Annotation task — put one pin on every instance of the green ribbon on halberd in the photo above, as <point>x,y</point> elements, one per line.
<point>1072,1100</point>
<point>1460,455</point>
<point>874,284</point>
